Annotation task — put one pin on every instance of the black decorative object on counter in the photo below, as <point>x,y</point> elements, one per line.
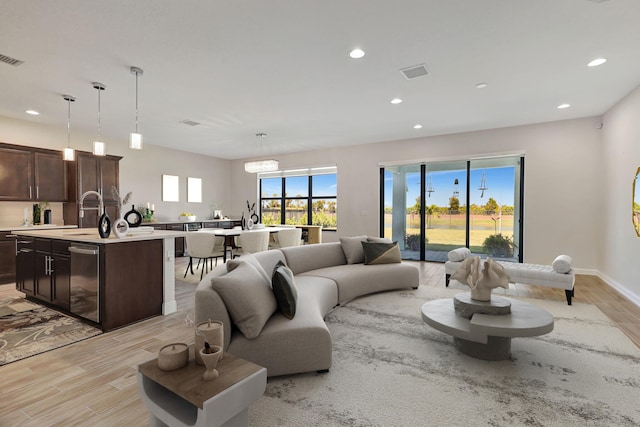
<point>104,225</point>
<point>47,216</point>
<point>133,217</point>
<point>36,213</point>
<point>243,222</point>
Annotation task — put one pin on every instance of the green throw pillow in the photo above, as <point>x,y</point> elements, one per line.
<point>285,290</point>
<point>381,253</point>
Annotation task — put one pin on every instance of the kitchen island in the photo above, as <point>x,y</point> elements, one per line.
<point>109,282</point>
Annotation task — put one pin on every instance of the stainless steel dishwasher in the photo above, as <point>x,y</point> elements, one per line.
<point>85,281</point>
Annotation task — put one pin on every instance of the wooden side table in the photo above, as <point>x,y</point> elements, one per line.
<point>182,398</point>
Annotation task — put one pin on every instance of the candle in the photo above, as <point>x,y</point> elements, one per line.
<point>212,332</point>
<point>173,356</point>
<point>153,207</point>
<point>148,205</point>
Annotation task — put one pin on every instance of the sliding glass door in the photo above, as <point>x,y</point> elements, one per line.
<point>474,203</point>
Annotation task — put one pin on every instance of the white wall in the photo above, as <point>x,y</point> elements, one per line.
<point>620,247</point>
<point>140,171</point>
<point>561,182</point>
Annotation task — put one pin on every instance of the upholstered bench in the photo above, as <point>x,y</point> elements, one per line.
<point>557,275</point>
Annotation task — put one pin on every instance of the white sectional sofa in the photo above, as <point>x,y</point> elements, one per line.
<point>325,276</point>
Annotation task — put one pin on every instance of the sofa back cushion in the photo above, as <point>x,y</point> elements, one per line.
<point>268,260</point>
<point>312,257</point>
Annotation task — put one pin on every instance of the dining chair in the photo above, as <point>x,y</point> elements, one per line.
<point>199,246</point>
<point>253,241</point>
<point>287,237</point>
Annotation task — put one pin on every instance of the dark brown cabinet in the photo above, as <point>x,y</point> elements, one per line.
<point>52,271</point>
<point>7,257</point>
<point>25,263</point>
<point>32,174</point>
<point>91,173</point>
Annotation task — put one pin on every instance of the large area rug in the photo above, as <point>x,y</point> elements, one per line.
<point>27,329</point>
<point>391,369</point>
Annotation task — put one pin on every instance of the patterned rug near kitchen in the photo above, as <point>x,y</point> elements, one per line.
<point>27,329</point>
<point>391,369</point>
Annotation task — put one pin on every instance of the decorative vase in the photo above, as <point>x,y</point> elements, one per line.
<point>243,221</point>
<point>120,227</point>
<point>36,214</point>
<point>255,218</point>
<point>104,225</point>
<point>210,356</point>
<point>211,331</point>
<point>481,293</point>
<point>133,217</point>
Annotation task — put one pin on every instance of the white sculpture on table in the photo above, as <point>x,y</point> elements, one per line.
<point>481,277</point>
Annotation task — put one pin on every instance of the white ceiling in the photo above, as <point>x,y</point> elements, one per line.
<point>282,67</point>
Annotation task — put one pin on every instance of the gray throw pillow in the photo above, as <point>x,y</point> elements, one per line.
<point>285,290</point>
<point>352,248</point>
<point>249,258</point>
<point>373,239</point>
<point>381,253</point>
<point>248,298</point>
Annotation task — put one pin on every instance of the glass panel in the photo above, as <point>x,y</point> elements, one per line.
<point>324,185</point>
<point>271,187</point>
<point>270,212</point>
<point>296,186</point>
<point>402,208</point>
<point>446,209</point>
<point>494,203</point>
<point>295,211</point>
<point>324,212</point>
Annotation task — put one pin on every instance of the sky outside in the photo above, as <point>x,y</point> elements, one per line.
<point>499,181</point>
<point>323,185</point>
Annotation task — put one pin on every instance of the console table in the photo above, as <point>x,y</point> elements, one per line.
<point>183,398</point>
<point>484,329</point>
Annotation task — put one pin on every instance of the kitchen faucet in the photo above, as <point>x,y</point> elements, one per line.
<point>99,208</point>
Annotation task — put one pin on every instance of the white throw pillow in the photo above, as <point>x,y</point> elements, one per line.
<point>459,254</point>
<point>352,248</point>
<point>248,297</point>
<point>562,264</point>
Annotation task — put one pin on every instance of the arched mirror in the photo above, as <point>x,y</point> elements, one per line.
<point>635,209</point>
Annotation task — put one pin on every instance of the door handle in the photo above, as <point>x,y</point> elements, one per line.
<point>37,191</point>
<point>30,195</point>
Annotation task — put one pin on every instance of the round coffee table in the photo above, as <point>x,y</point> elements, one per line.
<point>484,329</point>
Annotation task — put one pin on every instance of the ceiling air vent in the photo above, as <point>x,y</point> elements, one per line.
<point>9,60</point>
<point>414,71</point>
<point>189,123</point>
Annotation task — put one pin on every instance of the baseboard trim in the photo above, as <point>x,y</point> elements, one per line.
<point>633,297</point>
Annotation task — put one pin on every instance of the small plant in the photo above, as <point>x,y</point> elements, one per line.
<point>412,242</point>
<point>499,246</point>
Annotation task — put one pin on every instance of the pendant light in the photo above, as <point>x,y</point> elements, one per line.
<point>135,139</point>
<point>483,185</point>
<point>430,188</point>
<point>69,154</point>
<point>99,147</point>
<point>256,166</point>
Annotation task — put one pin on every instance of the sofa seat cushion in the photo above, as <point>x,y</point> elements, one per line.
<point>301,344</point>
<point>355,280</point>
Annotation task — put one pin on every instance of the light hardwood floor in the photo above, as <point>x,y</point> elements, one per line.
<point>93,382</point>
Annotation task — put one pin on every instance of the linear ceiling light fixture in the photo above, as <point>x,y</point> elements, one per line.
<point>135,139</point>
<point>257,166</point>
<point>69,154</point>
<point>99,147</point>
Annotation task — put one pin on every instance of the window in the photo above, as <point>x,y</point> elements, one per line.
<point>300,197</point>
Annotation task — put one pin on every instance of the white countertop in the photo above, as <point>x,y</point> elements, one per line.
<point>36,227</point>
<point>90,235</point>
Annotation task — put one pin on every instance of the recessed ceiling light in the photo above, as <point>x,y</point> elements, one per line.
<point>396,101</point>
<point>356,53</point>
<point>596,62</point>
<point>418,126</point>
<point>481,85</point>
<point>32,112</point>
<point>563,106</point>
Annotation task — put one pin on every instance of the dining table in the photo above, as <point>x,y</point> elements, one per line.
<point>230,233</point>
